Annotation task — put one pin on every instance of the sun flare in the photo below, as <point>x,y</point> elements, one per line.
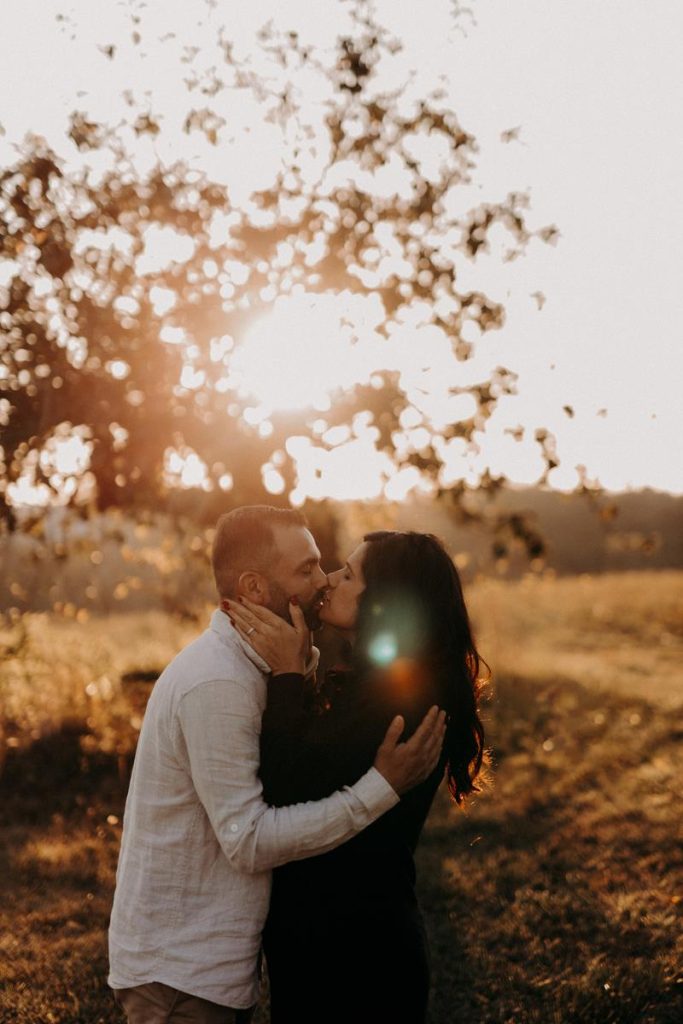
<point>303,350</point>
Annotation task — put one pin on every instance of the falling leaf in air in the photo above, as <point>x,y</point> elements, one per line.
<point>511,134</point>
<point>549,234</point>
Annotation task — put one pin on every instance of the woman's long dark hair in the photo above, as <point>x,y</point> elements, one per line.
<point>413,611</point>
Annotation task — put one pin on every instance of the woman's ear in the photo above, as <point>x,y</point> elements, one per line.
<point>253,586</point>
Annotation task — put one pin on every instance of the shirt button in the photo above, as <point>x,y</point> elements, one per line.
<point>234,828</point>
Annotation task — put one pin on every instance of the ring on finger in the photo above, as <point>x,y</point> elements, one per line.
<point>252,629</point>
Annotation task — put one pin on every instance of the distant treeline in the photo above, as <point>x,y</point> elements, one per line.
<point>112,563</point>
<point>582,533</point>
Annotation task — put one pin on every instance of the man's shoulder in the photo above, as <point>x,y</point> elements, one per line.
<point>208,659</point>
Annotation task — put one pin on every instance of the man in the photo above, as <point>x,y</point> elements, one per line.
<point>199,843</point>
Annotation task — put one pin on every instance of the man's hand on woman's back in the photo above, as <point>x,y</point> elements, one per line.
<point>405,765</point>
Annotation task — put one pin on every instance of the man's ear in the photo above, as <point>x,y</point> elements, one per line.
<point>253,586</point>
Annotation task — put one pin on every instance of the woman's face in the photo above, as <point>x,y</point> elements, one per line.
<point>340,604</point>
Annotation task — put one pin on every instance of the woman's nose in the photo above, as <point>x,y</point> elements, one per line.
<point>333,579</point>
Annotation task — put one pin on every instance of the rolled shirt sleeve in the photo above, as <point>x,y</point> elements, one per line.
<point>218,733</point>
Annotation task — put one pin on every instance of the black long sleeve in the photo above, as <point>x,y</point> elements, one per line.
<point>309,751</point>
<point>344,938</point>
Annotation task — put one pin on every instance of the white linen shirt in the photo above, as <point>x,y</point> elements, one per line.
<point>199,843</point>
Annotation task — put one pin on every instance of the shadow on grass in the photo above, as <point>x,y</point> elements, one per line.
<point>553,901</point>
<point>59,834</point>
<point>556,898</point>
<point>54,776</point>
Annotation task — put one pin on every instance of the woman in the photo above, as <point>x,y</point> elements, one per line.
<point>344,939</point>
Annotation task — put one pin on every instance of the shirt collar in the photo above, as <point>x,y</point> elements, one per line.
<point>221,624</point>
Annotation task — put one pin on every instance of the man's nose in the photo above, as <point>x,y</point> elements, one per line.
<point>322,580</point>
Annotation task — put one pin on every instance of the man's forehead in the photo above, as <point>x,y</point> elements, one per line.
<point>296,543</point>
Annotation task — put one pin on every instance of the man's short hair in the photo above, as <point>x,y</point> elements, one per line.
<point>245,539</point>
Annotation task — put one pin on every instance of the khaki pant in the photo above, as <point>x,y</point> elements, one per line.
<point>156,1003</point>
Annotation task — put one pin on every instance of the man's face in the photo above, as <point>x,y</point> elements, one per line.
<point>296,573</point>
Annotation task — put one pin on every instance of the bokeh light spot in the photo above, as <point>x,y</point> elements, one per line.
<point>383,648</point>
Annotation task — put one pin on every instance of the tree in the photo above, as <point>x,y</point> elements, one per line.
<point>89,351</point>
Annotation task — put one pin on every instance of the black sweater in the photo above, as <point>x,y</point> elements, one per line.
<point>313,744</point>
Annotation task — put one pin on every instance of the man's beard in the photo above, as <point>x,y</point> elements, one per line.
<point>279,603</point>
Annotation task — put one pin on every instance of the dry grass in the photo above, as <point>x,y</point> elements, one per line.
<point>618,633</point>
<point>556,898</point>
<point>59,671</point>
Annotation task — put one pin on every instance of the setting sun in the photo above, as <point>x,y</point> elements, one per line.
<point>306,348</point>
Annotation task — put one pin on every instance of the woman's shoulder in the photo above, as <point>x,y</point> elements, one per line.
<point>377,694</point>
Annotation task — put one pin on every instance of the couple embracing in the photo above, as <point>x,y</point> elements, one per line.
<point>272,811</point>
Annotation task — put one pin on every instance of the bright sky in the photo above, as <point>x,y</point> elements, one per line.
<point>597,90</point>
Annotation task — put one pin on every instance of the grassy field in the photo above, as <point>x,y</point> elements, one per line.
<point>556,898</point>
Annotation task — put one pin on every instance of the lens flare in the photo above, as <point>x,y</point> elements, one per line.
<point>383,648</point>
